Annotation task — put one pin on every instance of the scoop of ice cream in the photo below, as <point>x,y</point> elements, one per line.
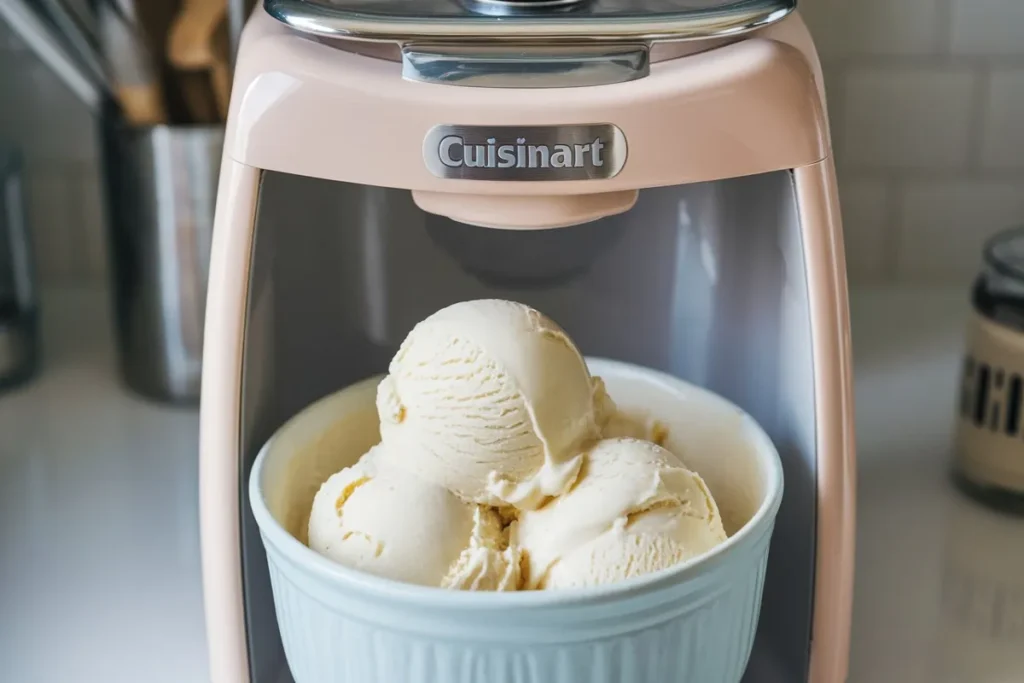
<point>490,399</point>
<point>393,524</point>
<point>634,509</point>
<point>617,424</point>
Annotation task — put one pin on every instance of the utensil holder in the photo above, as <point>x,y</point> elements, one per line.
<point>161,189</point>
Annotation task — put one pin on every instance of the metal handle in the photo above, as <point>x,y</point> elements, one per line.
<point>525,66</point>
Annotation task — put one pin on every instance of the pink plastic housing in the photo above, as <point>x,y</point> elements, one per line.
<point>302,107</point>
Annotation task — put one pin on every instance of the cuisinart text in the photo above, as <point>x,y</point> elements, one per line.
<point>577,152</point>
<point>454,152</point>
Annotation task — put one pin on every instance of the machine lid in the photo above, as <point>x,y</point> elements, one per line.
<point>525,20</point>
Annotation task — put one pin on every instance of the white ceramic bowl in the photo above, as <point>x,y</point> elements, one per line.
<point>692,623</point>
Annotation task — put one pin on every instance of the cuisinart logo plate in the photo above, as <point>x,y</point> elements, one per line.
<point>583,152</point>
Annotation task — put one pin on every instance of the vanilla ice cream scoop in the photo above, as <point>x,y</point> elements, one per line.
<point>393,524</point>
<point>616,424</point>
<point>634,509</point>
<point>492,400</point>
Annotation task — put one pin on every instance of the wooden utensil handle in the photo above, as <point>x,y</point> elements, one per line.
<point>142,104</point>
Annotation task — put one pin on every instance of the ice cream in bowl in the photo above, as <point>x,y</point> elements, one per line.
<point>497,508</point>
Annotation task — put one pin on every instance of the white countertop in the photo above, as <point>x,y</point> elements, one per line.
<point>99,547</point>
<point>99,556</point>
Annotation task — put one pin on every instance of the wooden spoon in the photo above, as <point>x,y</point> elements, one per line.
<point>192,45</point>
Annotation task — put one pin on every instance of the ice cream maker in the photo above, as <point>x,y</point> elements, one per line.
<point>654,175</point>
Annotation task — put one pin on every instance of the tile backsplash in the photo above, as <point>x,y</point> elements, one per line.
<point>926,99</point>
<point>927,104</point>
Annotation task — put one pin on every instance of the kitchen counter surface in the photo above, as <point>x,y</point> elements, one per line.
<point>99,555</point>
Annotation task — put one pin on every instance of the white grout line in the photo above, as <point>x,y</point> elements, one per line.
<point>944,35</point>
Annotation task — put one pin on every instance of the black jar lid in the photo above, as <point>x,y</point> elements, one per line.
<point>999,289</point>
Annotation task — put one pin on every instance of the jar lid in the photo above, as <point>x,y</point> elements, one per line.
<point>525,20</point>
<point>1004,258</point>
<point>999,289</point>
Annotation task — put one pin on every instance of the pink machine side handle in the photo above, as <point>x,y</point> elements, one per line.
<point>821,228</point>
<point>219,424</point>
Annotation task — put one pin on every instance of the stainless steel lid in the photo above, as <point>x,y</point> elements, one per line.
<point>526,20</point>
